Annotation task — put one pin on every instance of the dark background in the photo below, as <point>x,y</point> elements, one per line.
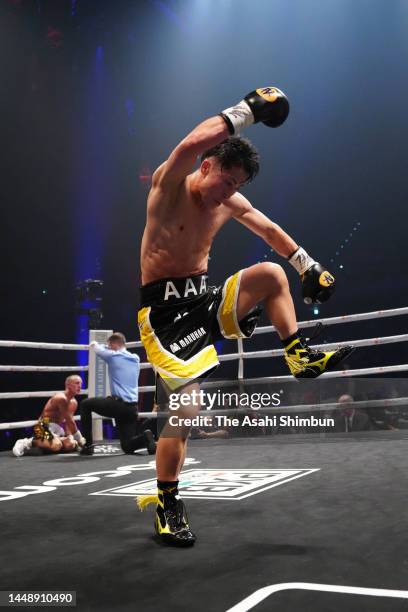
<point>95,94</point>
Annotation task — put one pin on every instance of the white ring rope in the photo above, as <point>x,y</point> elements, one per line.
<point>290,378</point>
<point>279,352</point>
<point>360,404</point>
<point>24,394</point>
<point>44,345</point>
<point>240,355</point>
<point>329,407</point>
<point>226,357</point>
<point>365,316</point>
<point>229,383</point>
<point>259,330</point>
<point>29,368</point>
<point>22,424</point>
<point>326,347</point>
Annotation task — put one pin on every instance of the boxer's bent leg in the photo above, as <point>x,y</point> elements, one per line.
<point>267,282</point>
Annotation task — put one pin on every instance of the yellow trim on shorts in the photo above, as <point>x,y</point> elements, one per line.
<point>227,310</point>
<point>174,370</point>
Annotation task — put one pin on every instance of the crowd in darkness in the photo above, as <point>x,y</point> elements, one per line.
<point>350,414</point>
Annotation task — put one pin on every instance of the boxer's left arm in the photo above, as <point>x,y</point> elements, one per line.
<point>74,431</point>
<point>67,417</point>
<point>261,225</point>
<point>317,283</point>
<point>67,411</point>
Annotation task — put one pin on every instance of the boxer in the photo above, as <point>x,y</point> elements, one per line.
<point>56,430</point>
<point>181,315</point>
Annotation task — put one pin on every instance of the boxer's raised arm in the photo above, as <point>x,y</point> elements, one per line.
<point>182,159</point>
<point>267,104</point>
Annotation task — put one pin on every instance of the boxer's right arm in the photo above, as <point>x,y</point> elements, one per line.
<point>267,104</point>
<point>182,159</point>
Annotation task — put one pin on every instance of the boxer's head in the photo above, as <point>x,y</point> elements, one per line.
<point>225,168</point>
<point>73,384</point>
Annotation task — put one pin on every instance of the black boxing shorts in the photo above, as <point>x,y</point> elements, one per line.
<point>41,430</point>
<point>181,318</point>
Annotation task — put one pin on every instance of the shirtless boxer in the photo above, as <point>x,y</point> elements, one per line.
<point>180,315</point>
<point>56,430</point>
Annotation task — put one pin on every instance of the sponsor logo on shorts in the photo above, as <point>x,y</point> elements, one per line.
<point>216,484</point>
<point>195,335</point>
<point>189,289</point>
<point>183,342</point>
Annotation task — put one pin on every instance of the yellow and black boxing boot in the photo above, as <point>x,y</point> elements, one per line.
<point>304,362</point>
<point>171,522</point>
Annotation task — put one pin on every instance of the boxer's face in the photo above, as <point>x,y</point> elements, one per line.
<point>74,386</point>
<point>218,184</point>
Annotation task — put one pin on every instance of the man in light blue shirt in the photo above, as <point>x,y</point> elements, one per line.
<point>123,371</point>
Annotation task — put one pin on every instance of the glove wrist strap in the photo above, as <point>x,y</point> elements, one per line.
<point>301,261</point>
<point>238,117</point>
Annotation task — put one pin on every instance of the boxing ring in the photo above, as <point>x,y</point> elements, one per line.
<point>240,355</point>
<point>311,521</point>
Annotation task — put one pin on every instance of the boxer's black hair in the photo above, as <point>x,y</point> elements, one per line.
<point>236,151</point>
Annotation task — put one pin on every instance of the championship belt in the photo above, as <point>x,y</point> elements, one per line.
<point>41,430</point>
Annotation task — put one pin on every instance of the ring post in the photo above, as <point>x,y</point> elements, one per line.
<point>241,359</point>
<point>98,380</point>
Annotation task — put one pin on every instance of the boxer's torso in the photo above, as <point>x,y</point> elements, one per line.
<point>179,233</point>
<point>53,408</point>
